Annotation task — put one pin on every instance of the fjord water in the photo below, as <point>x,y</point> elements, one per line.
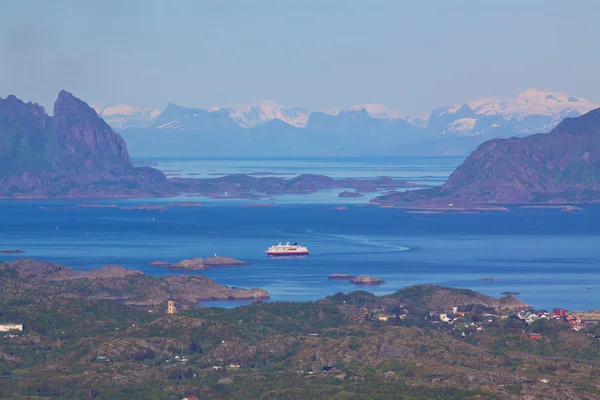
<point>550,257</point>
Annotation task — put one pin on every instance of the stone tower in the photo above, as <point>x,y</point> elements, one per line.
<point>171,307</point>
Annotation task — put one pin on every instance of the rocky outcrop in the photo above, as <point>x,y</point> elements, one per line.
<point>512,303</point>
<point>246,186</point>
<point>366,280</point>
<point>192,264</point>
<point>441,298</point>
<point>561,166</point>
<point>349,194</point>
<point>113,282</point>
<point>191,288</point>
<point>72,154</point>
<point>358,280</point>
<point>219,261</point>
<point>199,264</point>
<point>11,252</point>
<point>342,277</point>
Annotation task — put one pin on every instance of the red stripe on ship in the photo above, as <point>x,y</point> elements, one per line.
<point>287,253</point>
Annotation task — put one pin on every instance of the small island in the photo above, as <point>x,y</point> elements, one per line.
<point>366,280</point>
<point>339,208</point>
<point>349,194</point>
<point>338,276</point>
<point>358,280</point>
<point>11,252</point>
<point>200,264</point>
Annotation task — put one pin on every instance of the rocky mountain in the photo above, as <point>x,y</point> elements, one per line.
<point>266,128</point>
<point>74,153</point>
<point>561,166</point>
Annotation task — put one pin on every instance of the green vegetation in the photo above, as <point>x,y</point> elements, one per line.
<point>337,348</point>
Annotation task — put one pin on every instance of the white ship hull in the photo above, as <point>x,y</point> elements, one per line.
<point>287,250</point>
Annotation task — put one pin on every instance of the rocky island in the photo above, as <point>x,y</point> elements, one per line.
<point>341,277</point>
<point>199,264</point>
<point>359,280</point>
<point>349,194</point>
<point>7,251</point>
<point>558,167</point>
<point>366,280</point>
<point>251,187</point>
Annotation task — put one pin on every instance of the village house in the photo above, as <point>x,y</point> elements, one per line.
<point>535,336</point>
<point>575,323</point>
<point>235,365</point>
<point>9,326</point>
<point>559,313</point>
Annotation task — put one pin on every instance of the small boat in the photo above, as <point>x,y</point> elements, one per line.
<point>287,250</point>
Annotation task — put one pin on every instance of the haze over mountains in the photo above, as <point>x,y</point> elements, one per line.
<point>75,153</point>
<point>267,128</point>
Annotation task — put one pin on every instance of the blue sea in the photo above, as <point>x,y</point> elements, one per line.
<point>550,257</point>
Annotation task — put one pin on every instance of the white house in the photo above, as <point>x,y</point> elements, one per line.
<point>5,327</point>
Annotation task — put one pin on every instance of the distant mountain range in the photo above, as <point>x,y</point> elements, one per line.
<point>267,128</point>
<point>123,116</point>
<point>74,153</point>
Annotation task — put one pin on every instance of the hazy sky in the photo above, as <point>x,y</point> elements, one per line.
<point>412,56</point>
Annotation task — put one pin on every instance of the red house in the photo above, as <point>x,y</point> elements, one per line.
<point>535,336</point>
<point>559,312</point>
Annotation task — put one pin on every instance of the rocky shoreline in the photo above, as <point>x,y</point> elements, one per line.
<point>113,282</point>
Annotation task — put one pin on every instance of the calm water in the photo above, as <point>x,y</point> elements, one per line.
<point>550,257</point>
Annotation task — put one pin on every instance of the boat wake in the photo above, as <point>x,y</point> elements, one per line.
<point>363,241</point>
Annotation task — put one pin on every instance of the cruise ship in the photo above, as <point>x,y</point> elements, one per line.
<point>287,250</point>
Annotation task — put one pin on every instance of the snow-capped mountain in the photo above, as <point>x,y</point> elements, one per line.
<point>182,119</point>
<point>531,101</point>
<point>532,111</point>
<point>377,111</point>
<point>349,130</point>
<point>124,116</point>
<point>254,114</point>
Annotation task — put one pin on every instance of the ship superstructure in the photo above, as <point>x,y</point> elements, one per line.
<point>287,250</point>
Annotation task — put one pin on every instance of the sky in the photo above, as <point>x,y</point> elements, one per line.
<point>412,56</point>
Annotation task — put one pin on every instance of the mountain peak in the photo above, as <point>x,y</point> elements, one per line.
<point>531,101</point>
<point>585,124</point>
<point>86,137</point>
<point>257,113</point>
<point>374,110</point>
